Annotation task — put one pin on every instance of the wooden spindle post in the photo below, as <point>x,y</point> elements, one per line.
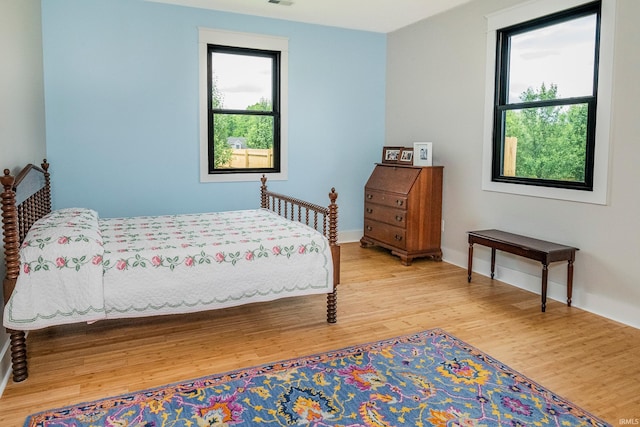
<point>11,240</point>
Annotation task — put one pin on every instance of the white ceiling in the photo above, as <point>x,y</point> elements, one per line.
<point>381,16</point>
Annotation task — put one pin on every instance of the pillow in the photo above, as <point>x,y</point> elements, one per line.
<point>60,278</point>
<point>63,239</point>
<point>63,227</point>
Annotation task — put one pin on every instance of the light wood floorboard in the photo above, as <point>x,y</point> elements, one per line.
<point>590,360</point>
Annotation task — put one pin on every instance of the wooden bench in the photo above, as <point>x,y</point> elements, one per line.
<point>539,250</point>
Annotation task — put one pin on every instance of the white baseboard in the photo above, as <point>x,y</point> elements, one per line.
<point>349,236</point>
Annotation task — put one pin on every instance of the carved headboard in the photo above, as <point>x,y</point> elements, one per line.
<point>25,199</point>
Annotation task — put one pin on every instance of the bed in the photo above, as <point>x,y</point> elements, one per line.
<point>71,266</point>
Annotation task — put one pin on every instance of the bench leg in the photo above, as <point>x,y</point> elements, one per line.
<point>545,273</point>
<point>470,262</point>
<point>493,262</point>
<point>569,282</point>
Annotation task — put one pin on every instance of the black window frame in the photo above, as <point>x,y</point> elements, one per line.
<point>275,112</point>
<point>501,104</point>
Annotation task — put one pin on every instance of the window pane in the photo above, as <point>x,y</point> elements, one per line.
<point>561,54</point>
<point>243,141</point>
<point>546,143</point>
<point>243,82</point>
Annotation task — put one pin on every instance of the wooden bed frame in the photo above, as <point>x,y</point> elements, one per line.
<point>27,198</point>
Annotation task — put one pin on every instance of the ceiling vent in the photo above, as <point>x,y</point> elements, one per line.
<point>281,2</point>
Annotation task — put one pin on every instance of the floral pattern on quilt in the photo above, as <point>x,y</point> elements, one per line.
<point>61,264</point>
<point>199,239</point>
<point>184,263</point>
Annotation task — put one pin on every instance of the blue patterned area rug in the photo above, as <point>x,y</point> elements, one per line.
<point>427,379</point>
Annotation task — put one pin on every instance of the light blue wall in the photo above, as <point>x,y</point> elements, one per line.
<point>121,91</point>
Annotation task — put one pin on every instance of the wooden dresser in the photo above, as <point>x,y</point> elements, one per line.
<point>403,211</point>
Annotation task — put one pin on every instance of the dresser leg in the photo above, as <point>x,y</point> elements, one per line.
<point>365,243</point>
<point>404,260</point>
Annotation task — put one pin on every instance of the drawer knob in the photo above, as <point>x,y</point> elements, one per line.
<point>398,237</point>
<point>399,202</point>
<point>399,218</point>
<point>369,228</point>
<point>369,196</point>
<point>369,210</point>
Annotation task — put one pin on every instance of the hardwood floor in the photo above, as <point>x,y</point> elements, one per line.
<point>587,359</point>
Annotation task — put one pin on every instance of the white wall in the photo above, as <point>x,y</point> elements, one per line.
<point>22,124</point>
<point>435,92</point>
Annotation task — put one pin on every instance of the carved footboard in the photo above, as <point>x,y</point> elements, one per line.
<point>25,199</point>
<point>323,219</point>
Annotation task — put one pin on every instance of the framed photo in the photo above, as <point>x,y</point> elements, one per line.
<point>391,154</point>
<point>422,154</point>
<point>406,156</point>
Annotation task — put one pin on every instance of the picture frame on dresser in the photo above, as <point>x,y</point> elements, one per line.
<point>391,154</point>
<point>406,156</point>
<point>422,154</point>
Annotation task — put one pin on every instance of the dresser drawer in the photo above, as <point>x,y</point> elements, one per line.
<point>384,198</point>
<point>394,236</point>
<point>397,217</point>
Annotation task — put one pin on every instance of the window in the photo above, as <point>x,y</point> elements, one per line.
<point>244,110</point>
<point>544,130</point>
<point>547,125</point>
<point>243,106</point>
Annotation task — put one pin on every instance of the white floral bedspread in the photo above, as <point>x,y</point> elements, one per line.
<point>173,264</point>
<point>177,264</point>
